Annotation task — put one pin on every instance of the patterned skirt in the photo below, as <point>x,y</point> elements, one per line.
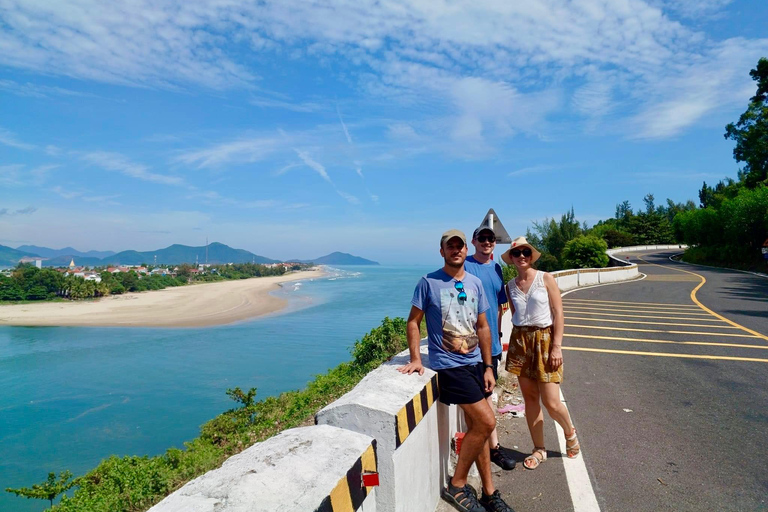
<point>528,354</point>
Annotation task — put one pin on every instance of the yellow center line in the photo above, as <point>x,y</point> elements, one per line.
<point>645,316</point>
<point>651,323</point>
<point>705,308</point>
<point>634,310</point>
<point>632,303</point>
<point>721,334</point>
<point>663,354</point>
<point>645,340</point>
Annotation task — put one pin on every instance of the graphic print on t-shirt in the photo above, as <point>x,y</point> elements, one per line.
<point>459,320</point>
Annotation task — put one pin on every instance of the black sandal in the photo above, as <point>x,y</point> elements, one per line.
<point>462,498</point>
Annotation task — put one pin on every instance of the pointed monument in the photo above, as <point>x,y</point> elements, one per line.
<point>492,222</point>
<point>71,263</point>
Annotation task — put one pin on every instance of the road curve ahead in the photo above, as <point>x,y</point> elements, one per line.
<point>666,381</point>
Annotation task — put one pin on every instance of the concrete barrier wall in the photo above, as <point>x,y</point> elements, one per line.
<point>389,423</point>
<point>401,413</point>
<point>302,469</point>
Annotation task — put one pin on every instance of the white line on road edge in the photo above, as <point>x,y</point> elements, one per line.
<point>582,494</point>
<point>758,274</point>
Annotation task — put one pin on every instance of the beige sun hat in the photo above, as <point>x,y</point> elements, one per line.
<point>519,243</point>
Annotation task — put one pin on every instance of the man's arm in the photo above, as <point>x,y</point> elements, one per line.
<point>498,323</point>
<point>414,342</point>
<point>484,340</point>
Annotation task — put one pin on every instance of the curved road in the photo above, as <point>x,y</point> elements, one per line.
<point>669,393</point>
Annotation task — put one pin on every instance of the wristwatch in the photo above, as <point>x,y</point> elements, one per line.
<point>488,366</point>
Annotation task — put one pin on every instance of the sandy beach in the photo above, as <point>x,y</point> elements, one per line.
<point>198,305</point>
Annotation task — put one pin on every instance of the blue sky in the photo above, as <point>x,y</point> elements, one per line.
<point>295,128</point>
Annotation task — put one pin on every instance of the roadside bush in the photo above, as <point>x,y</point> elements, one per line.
<point>585,251</point>
<point>380,344</point>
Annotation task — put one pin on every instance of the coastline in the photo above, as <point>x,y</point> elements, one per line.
<point>197,305</point>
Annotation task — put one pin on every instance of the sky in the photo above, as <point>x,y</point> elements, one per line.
<point>296,128</point>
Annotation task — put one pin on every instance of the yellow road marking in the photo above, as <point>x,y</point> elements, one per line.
<point>633,303</point>
<point>644,340</point>
<point>667,332</point>
<point>705,308</point>
<point>651,323</point>
<point>645,316</point>
<point>636,310</point>
<point>663,354</point>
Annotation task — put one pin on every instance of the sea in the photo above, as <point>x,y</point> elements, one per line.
<point>72,396</point>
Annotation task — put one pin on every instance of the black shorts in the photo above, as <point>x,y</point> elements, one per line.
<point>462,385</point>
<point>495,360</point>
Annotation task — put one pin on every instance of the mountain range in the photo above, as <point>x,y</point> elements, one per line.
<point>172,255</point>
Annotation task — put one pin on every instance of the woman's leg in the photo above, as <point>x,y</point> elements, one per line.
<point>550,397</point>
<point>533,413</point>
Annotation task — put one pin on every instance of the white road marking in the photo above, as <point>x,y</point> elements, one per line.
<point>582,493</point>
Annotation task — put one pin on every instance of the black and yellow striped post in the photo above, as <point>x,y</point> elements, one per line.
<point>413,412</point>
<point>349,494</point>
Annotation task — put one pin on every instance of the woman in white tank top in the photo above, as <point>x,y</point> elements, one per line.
<point>535,348</point>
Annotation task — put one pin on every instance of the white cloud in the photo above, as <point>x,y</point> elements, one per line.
<point>344,126</point>
<point>119,163</point>
<point>246,150</point>
<point>312,164</point>
<point>484,70</point>
<point>9,139</point>
<point>536,169</point>
<point>348,197</point>
<point>287,105</point>
<point>31,90</point>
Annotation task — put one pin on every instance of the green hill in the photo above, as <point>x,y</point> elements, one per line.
<point>342,258</point>
<point>177,254</point>
<point>9,257</point>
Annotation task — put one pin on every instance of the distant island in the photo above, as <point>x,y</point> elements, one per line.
<point>341,258</point>
<point>176,254</point>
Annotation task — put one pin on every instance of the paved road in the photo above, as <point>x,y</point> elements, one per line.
<point>668,392</point>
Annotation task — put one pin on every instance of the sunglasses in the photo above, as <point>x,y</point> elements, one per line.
<point>486,238</point>
<point>518,252</point>
<point>460,288</point>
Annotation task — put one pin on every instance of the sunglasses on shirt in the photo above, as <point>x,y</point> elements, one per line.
<point>460,288</point>
<point>518,252</point>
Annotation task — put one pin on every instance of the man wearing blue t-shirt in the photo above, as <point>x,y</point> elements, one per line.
<point>488,271</point>
<point>455,307</point>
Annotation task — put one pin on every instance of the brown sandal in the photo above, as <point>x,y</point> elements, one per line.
<point>572,448</point>
<point>538,456</point>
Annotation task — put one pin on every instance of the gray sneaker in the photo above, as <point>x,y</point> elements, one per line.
<point>462,498</point>
<point>494,503</point>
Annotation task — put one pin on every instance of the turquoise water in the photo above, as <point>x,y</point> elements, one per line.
<point>72,396</point>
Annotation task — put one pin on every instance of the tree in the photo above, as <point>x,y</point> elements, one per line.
<point>550,238</point>
<point>650,207</point>
<point>49,489</point>
<point>751,131</point>
<point>585,251</point>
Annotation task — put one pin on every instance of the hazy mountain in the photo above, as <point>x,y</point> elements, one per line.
<point>341,258</point>
<point>64,260</point>
<point>47,252</point>
<point>9,257</point>
<point>177,254</point>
